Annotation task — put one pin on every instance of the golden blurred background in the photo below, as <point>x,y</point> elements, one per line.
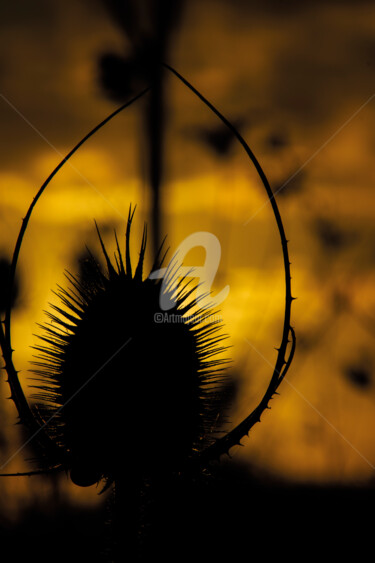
<point>297,79</point>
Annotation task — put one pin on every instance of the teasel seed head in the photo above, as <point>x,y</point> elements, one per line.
<point>125,386</point>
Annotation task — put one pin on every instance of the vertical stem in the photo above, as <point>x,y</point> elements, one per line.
<point>126,520</point>
<point>155,117</point>
<point>155,129</point>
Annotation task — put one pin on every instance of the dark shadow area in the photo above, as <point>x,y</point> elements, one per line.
<point>59,534</point>
<point>228,516</point>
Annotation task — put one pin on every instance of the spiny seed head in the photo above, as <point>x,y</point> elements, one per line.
<point>123,390</point>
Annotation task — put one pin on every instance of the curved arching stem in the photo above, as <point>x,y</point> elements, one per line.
<point>17,395</point>
<point>222,445</point>
<point>39,194</point>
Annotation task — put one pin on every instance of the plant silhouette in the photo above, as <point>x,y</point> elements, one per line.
<point>104,348</point>
<point>95,356</point>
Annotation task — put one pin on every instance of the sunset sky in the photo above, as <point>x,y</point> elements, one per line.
<point>298,80</point>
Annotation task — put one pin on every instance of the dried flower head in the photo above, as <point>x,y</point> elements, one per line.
<point>122,389</point>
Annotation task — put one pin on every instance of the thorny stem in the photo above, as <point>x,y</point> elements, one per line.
<point>223,445</point>
<point>24,411</point>
<point>39,194</point>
